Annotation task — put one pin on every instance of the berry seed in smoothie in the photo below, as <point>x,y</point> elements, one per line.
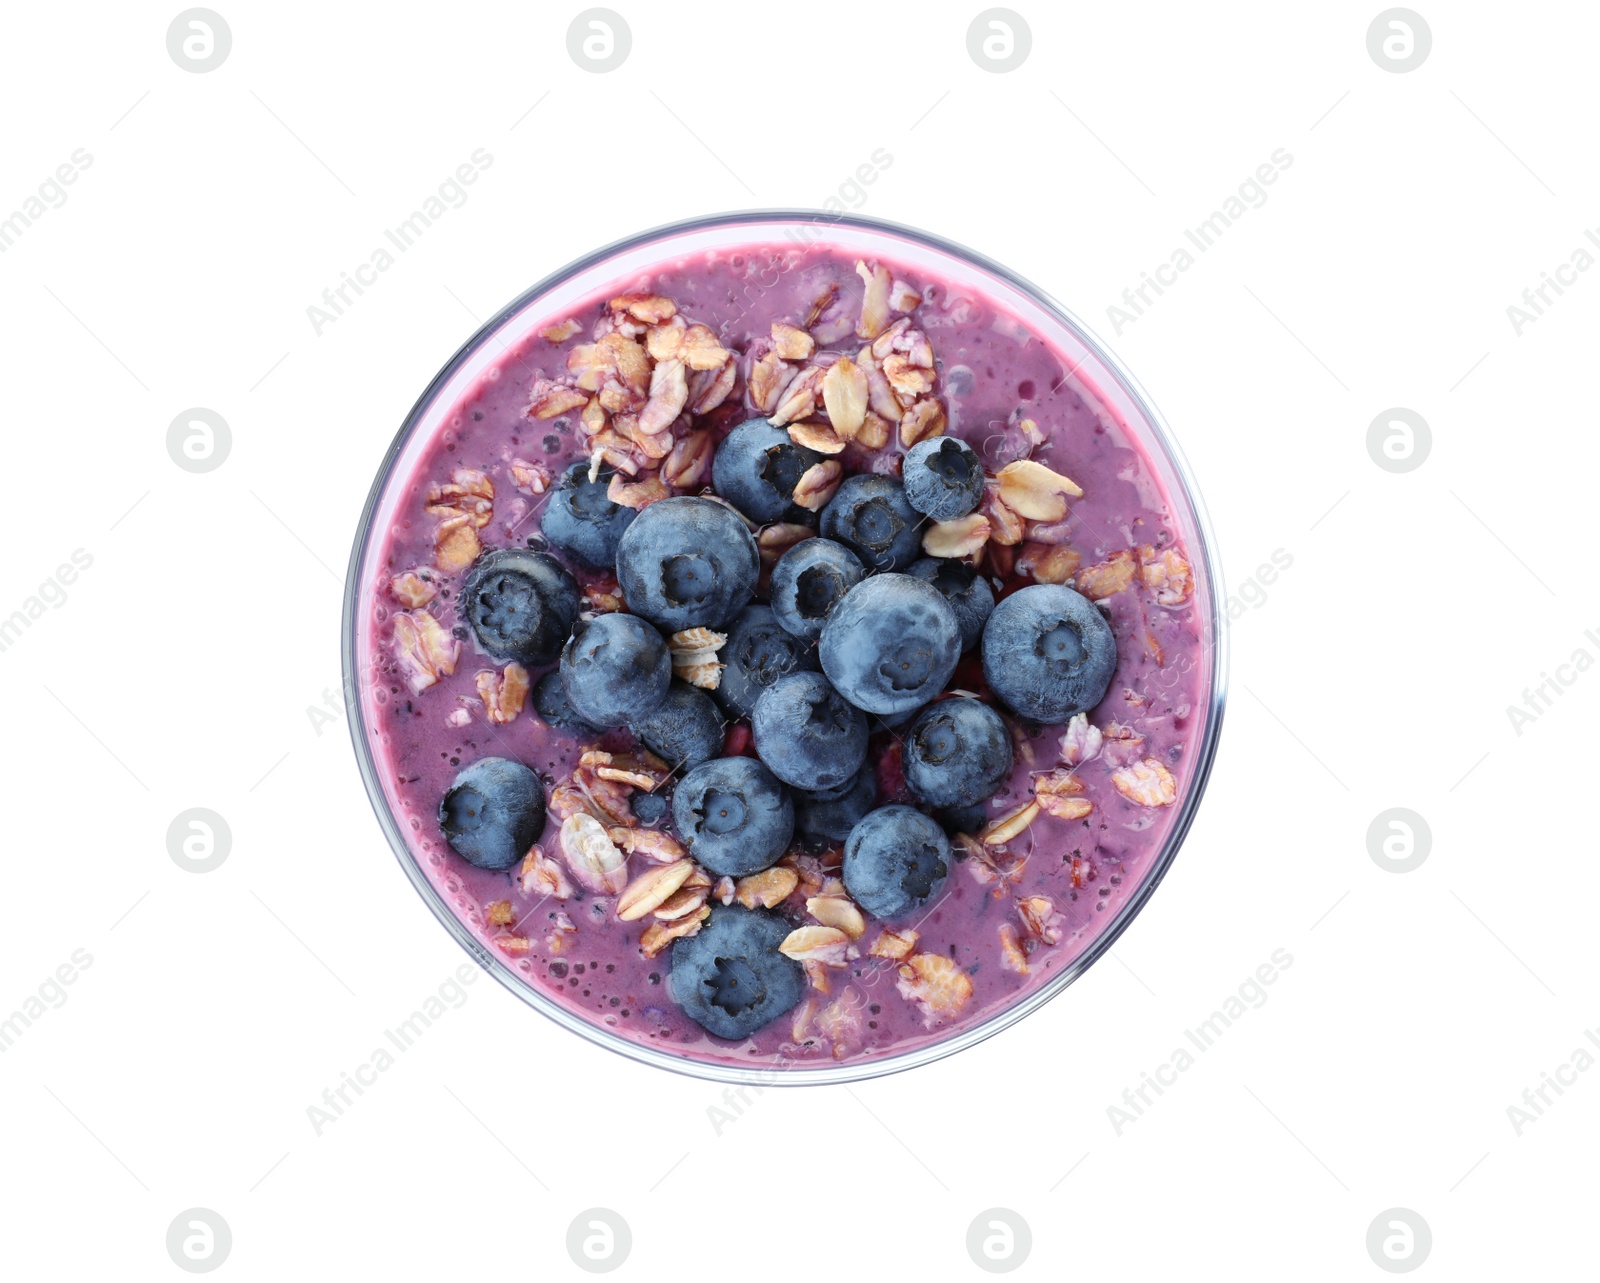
<point>781,658</point>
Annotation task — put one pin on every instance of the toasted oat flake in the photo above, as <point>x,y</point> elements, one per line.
<point>515,946</point>
<point>902,298</point>
<point>874,434</point>
<point>818,484</point>
<point>701,351</point>
<point>592,856</point>
<point>530,478</point>
<point>455,544</point>
<point>694,656</point>
<point>561,331</point>
<point>765,889</point>
<point>1005,827</point>
<point>689,460</point>
<point>424,650</point>
<point>777,539</point>
<point>542,876</point>
<point>669,391</point>
<point>924,419</point>
<point>499,914</point>
<point>1167,572</point>
<point>1012,956</point>
<point>1031,432</point>
<point>636,494</point>
<point>1005,526</point>
<point>653,844</point>
<point>1040,918</point>
<point>1121,745</point>
<point>963,537</point>
<point>1081,740</point>
<point>874,299</point>
<point>1108,577</point>
<point>844,396</point>
<point>936,984</point>
<point>790,342</point>
<point>505,693</point>
<point>651,309</point>
<point>826,945</point>
<point>799,399</point>
<point>469,493</point>
<point>1034,491</point>
<point>894,944</point>
<point>681,903</point>
<point>1060,794</point>
<point>1048,563</point>
<point>837,911</point>
<point>769,376</point>
<point>710,388</point>
<point>816,435</point>
<point>412,590</point>
<point>725,890</point>
<point>658,935</point>
<point>547,398</point>
<point>1147,783</point>
<point>651,889</point>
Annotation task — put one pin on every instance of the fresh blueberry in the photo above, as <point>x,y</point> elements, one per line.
<point>807,733</point>
<point>809,581</point>
<point>647,808</point>
<point>729,977</point>
<point>1048,653</point>
<point>964,588</point>
<point>686,728</point>
<point>957,753</point>
<point>960,819</point>
<point>756,468</point>
<point>519,604</point>
<point>581,520</point>
<point>615,669</point>
<point>891,644</point>
<point>733,815</point>
<point>943,478</point>
<point>550,702</point>
<point>493,812</point>
<point>687,563</point>
<point>759,650</point>
<point>869,515</point>
<point>895,860</point>
<point>823,816</point>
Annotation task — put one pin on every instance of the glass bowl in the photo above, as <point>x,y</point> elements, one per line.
<point>1099,376</point>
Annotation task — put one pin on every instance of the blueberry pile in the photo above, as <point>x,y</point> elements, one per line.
<point>860,634</point>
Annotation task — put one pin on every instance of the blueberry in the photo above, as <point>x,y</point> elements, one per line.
<point>809,581</point>
<point>687,563</point>
<point>870,516</point>
<point>733,815</point>
<point>964,588</point>
<point>1048,653</point>
<point>550,702</point>
<point>729,977</point>
<point>581,520</point>
<point>759,650</point>
<point>957,753</point>
<point>895,860</point>
<point>686,728</point>
<point>807,733</point>
<point>960,819</point>
<point>647,808</point>
<point>827,815</point>
<point>615,669</point>
<point>519,604</point>
<point>493,812</point>
<point>891,644</point>
<point>756,468</point>
<point>943,478</point>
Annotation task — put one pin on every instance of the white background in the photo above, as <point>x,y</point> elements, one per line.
<point>1375,673</point>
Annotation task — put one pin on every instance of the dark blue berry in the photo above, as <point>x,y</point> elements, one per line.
<point>733,815</point>
<point>807,733</point>
<point>729,977</point>
<point>615,669</point>
<point>648,808</point>
<point>809,581</point>
<point>686,729</point>
<point>827,815</point>
<point>581,520</point>
<point>943,478</point>
<point>957,753</point>
<point>870,516</point>
<point>891,644</point>
<point>756,468</point>
<point>687,563</point>
<point>550,702</point>
<point>964,588</point>
<point>895,860</point>
<point>493,812</point>
<point>1048,653</point>
<point>964,819</point>
<point>759,650</point>
<point>519,604</point>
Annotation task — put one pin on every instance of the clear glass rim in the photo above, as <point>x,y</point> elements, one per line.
<point>768,1075</point>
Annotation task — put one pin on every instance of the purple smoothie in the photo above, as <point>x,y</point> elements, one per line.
<point>1013,913</point>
